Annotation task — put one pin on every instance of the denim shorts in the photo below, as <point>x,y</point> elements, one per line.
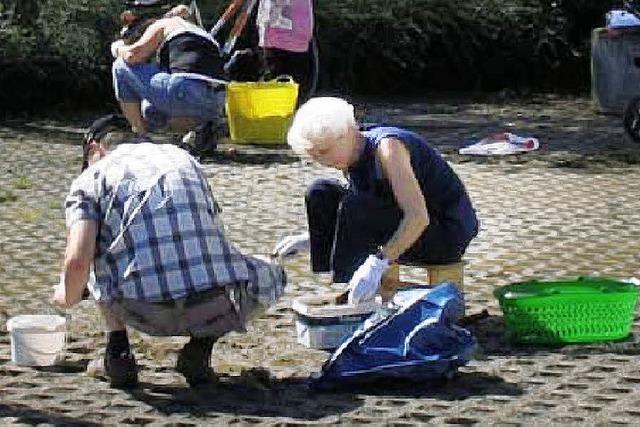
<point>164,95</point>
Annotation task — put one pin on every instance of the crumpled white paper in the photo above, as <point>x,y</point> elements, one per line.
<point>501,144</point>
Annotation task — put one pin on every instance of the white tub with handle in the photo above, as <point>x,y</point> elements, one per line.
<point>321,323</point>
<point>37,340</point>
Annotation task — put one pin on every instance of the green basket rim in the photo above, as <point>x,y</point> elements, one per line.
<point>582,286</point>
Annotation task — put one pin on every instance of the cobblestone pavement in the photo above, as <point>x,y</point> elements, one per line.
<point>570,209</point>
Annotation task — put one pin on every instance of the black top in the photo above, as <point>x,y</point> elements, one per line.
<point>188,52</point>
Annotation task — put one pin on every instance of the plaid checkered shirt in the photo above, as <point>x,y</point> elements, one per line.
<point>160,236</point>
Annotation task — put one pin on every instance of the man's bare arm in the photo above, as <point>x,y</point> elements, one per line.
<point>80,251</point>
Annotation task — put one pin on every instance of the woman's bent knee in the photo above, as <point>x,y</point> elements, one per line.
<point>322,188</point>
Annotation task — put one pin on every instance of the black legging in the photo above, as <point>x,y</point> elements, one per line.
<point>345,227</point>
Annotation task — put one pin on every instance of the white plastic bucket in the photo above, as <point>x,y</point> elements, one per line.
<point>323,324</point>
<point>37,340</point>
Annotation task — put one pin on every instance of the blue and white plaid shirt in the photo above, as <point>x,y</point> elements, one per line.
<point>159,233</point>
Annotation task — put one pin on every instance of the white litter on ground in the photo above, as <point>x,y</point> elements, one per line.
<point>501,144</point>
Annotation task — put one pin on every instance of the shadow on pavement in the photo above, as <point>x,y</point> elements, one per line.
<point>571,134</point>
<point>244,395</point>
<point>22,414</point>
<point>493,340</point>
<point>65,367</point>
<point>225,154</point>
<point>294,398</point>
<point>461,386</point>
<point>249,157</point>
<point>576,161</point>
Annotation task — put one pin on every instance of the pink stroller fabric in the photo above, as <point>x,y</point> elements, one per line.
<point>285,24</point>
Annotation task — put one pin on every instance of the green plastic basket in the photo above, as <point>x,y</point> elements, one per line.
<point>583,310</point>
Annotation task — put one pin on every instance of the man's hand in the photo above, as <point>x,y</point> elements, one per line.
<point>115,46</point>
<point>291,245</point>
<point>59,296</point>
<point>365,282</point>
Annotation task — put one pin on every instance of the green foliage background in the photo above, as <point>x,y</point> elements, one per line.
<point>57,51</point>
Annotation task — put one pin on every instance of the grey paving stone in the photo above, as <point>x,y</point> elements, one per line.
<point>570,209</point>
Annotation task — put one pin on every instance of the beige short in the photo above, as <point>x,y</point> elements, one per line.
<point>205,314</point>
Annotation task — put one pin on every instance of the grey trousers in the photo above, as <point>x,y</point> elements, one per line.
<point>206,314</point>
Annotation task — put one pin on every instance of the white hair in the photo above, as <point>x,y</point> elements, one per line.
<point>320,121</point>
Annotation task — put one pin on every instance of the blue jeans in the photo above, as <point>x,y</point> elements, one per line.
<point>163,95</point>
<point>346,227</point>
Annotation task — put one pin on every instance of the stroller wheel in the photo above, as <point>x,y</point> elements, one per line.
<point>631,119</point>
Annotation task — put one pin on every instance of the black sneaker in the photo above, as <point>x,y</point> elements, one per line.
<point>205,139</point>
<point>121,369</point>
<point>194,361</point>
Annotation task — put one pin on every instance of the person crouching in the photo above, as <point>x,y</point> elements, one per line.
<point>401,203</point>
<point>143,215</point>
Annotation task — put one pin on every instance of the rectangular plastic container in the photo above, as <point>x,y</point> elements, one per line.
<point>322,324</point>
<point>615,67</point>
<point>584,310</point>
<point>260,112</point>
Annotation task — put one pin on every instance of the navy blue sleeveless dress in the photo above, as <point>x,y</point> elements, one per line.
<point>348,224</point>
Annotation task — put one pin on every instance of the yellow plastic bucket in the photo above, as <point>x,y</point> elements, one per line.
<point>261,112</point>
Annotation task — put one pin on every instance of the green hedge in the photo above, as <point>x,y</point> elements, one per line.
<point>377,45</point>
<point>56,51</point>
<point>59,54</point>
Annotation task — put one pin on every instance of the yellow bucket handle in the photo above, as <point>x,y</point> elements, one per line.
<point>284,78</point>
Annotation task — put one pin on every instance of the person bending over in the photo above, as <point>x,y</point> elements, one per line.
<point>402,202</point>
<point>143,216</point>
<point>172,75</point>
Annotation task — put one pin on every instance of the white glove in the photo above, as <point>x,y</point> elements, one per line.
<point>365,282</point>
<point>291,245</point>
<point>114,47</point>
<point>91,282</point>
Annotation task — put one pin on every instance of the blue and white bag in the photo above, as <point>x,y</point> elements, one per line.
<point>418,340</point>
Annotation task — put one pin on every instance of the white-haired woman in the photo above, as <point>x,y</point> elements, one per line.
<point>402,202</point>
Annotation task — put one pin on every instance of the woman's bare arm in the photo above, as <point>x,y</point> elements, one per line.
<point>145,47</point>
<point>396,165</point>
